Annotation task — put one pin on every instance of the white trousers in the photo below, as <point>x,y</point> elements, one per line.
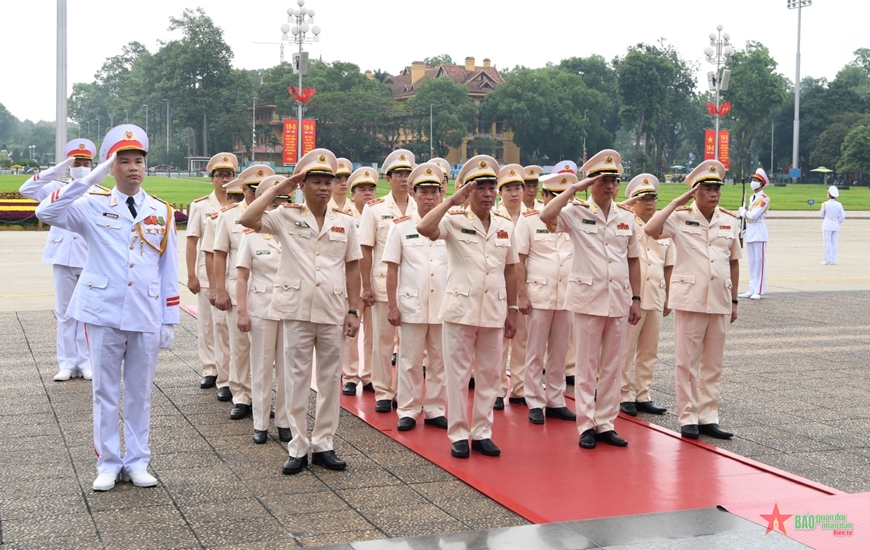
<point>412,395</point>
<point>756,251</point>
<point>213,344</point>
<point>137,351</point>
<point>641,352</point>
<point>302,340</point>
<point>600,343</point>
<point>351,364</point>
<point>240,365</point>
<point>513,359</point>
<point>383,343</point>
<point>465,348</point>
<point>549,331</point>
<point>699,348</point>
<point>831,246</point>
<point>267,352</point>
<point>72,347</point>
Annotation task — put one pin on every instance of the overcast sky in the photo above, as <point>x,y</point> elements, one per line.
<point>388,34</point>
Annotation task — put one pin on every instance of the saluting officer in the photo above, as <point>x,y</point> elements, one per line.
<point>479,307</point>
<point>531,185</point>
<point>256,266</point>
<point>416,274</point>
<point>603,291</point>
<point>376,220</point>
<point>542,281</point>
<point>317,277</point>
<point>756,236</point>
<point>340,185</point>
<point>127,294</point>
<point>703,294</point>
<point>656,264</point>
<point>66,252</point>
<point>213,343</point>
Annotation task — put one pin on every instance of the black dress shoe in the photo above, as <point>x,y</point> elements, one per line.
<point>383,406</point>
<point>295,464</point>
<point>517,400</point>
<point>240,411</point>
<point>713,430</point>
<point>587,439</point>
<point>224,394</point>
<point>349,388</point>
<point>459,449</point>
<point>471,383</point>
<point>485,447</point>
<point>284,434</point>
<point>369,388</point>
<point>562,413</point>
<point>208,382</point>
<point>328,460</point>
<point>689,431</point>
<point>536,416</point>
<point>611,438</point>
<point>628,407</point>
<point>406,423</point>
<point>569,380</point>
<point>260,436</point>
<point>438,422</point>
<point>649,407</point>
<point>499,404</point>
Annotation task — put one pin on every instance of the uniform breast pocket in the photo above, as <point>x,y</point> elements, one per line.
<point>468,245</point>
<point>536,288</point>
<point>93,290</point>
<point>409,304</point>
<point>623,233</point>
<point>299,240</point>
<point>337,244</point>
<point>681,287</point>
<point>579,292</point>
<point>286,295</point>
<point>691,236</point>
<point>457,300</point>
<point>108,231</point>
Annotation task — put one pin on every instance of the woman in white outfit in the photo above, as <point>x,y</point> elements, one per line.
<point>833,214</point>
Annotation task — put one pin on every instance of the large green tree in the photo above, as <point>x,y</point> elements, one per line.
<point>856,151</point>
<point>829,145</point>
<point>453,113</point>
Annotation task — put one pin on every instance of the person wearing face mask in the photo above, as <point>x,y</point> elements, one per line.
<point>756,235</point>
<point>66,252</point>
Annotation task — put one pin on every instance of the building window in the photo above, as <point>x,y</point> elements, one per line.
<point>469,149</point>
<point>499,127</point>
<point>499,151</point>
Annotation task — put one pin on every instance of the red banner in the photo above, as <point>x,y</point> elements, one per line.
<point>724,146</point>
<point>709,144</point>
<point>309,135</point>
<point>289,141</point>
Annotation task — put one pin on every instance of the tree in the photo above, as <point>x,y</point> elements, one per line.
<point>438,60</point>
<point>453,113</point>
<point>8,124</point>
<point>856,151</point>
<point>828,147</point>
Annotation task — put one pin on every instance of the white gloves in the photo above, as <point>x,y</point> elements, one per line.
<point>56,171</point>
<point>742,212</point>
<point>99,173</point>
<point>167,335</point>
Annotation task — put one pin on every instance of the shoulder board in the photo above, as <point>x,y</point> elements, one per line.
<point>104,192</point>
<point>684,208</point>
<point>500,215</point>
<point>292,205</point>
<point>106,189</point>
<point>400,219</point>
<point>247,230</point>
<point>376,201</point>
<point>456,211</point>
<point>158,199</point>
<point>229,207</point>
<point>624,207</point>
<point>578,202</point>
<point>530,212</point>
<point>200,199</point>
<point>214,216</point>
<point>340,211</point>
<point>730,213</point>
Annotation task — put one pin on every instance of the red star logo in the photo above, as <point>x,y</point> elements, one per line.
<point>776,520</point>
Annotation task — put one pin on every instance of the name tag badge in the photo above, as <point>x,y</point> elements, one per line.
<point>412,236</point>
<point>693,224</point>
<point>387,217</point>
<point>542,231</point>
<point>238,221</point>
<point>589,222</point>
<point>302,224</point>
<point>470,231</point>
<point>110,215</point>
<point>263,252</point>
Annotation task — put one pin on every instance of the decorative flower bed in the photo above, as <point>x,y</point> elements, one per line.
<point>16,209</point>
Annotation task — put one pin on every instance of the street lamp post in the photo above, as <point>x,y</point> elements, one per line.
<point>719,53</point>
<point>146,133</point>
<point>585,131</point>
<point>795,162</point>
<point>431,147</point>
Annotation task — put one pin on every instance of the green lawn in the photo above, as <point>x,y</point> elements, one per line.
<point>791,197</point>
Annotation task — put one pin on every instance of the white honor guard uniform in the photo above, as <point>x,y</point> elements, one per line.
<point>546,258</point>
<point>834,215</point>
<point>756,235</point>
<point>377,216</point>
<point>422,274</point>
<point>642,344</point>
<point>310,296</point>
<point>127,294</point>
<point>213,344</point>
<point>66,252</point>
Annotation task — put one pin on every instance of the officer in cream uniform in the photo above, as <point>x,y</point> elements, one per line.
<point>703,294</point>
<point>756,236</point>
<point>66,252</point>
<point>542,273</point>
<point>531,186</point>
<point>317,278</point>
<point>656,264</point>
<point>256,266</point>
<point>416,275</point>
<point>127,294</point>
<point>445,171</point>
<point>340,186</point>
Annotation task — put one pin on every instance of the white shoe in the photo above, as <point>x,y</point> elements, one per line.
<point>755,296</point>
<point>746,294</point>
<point>824,263</point>
<point>87,374</point>
<point>140,478</point>
<point>62,375</point>
<point>105,481</point>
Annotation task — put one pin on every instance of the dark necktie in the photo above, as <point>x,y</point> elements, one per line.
<point>131,204</point>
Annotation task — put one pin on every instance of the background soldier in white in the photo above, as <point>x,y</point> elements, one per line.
<point>317,277</point>
<point>66,252</point>
<point>703,294</point>
<point>213,343</point>
<point>416,275</point>
<point>656,265</point>
<point>376,220</point>
<point>479,307</point>
<point>127,294</point>
<point>834,215</point>
<point>756,235</point>
<point>542,281</point>
<point>339,186</point>
<point>602,291</point>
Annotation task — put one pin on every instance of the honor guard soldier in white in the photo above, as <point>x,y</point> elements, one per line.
<point>542,281</point>
<point>66,252</point>
<point>531,186</point>
<point>127,295</point>
<point>416,275</point>
<point>318,277</point>
<point>213,342</point>
<point>703,294</point>
<point>834,215</point>
<point>377,217</point>
<point>340,186</point>
<point>656,265</point>
<point>479,308</point>
<point>756,235</point>
<point>602,292</point>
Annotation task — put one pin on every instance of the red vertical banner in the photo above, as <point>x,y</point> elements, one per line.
<point>309,135</point>
<point>709,144</point>
<point>725,148</point>
<point>289,141</point>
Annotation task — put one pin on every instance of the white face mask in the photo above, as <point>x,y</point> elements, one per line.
<point>78,172</point>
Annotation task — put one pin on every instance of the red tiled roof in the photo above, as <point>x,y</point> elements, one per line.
<point>480,80</point>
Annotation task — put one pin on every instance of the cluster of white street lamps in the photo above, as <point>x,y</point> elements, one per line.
<point>719,52</point>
